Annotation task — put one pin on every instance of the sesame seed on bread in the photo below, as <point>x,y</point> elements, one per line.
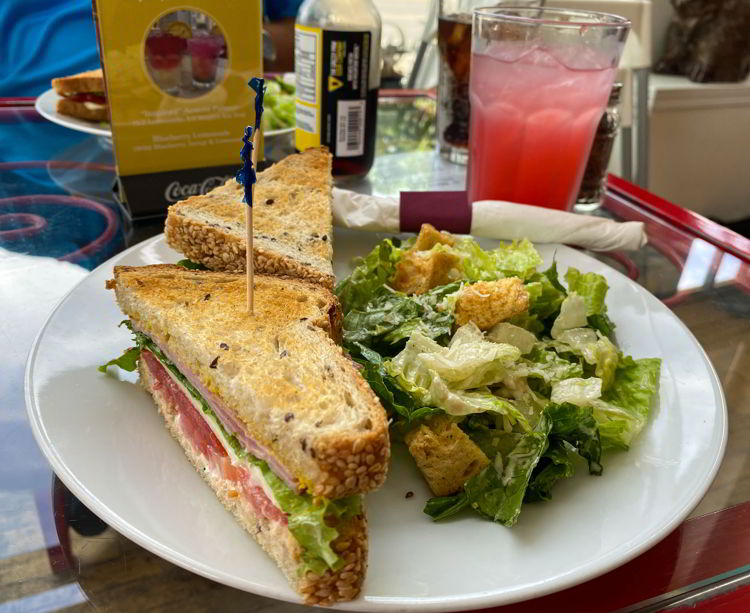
<point>292,221</point>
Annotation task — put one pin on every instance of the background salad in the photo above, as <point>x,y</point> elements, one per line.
<point>278,105</point>
<point>523,396</point>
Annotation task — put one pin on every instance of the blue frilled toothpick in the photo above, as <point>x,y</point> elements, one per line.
<point>246,177</point>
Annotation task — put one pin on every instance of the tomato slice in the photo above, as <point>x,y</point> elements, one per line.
<point>87,97</point>
<point>203,439</point>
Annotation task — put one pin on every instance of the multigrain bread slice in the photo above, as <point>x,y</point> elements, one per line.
<point>292,221</point>
<point>83,82</point>
<point>273,536</point>
<point>279,371</point>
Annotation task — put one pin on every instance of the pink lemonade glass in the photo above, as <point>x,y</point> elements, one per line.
<point>164,55</point>
<point>540,81</point>
<point>204,57</point>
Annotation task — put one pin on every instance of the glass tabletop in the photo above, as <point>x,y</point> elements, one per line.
<point>56,205</point>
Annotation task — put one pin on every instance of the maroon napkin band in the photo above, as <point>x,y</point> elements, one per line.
<point>449,211</point>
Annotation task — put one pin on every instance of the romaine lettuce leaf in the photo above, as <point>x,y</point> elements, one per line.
<point>498,490</point>
<point>507,333</point>
<point>437,376</point>
<point>386,311</point>
<point>462,402</point>
<point>576,426</point>
<point>436,315</point>
<point>526,465</point>
<point>516,259</point>
<point>529,322</point>
<point>487,431</point>
<point>469,361</point>
<point>370,273</point>
<point>390,317</point>
<point>623,410</point>
<point>396,401</point>
<point>442,507</point>
<point>190,265</point>
<point>307,523</point>
<point>572,315</point>
<point>554,466</point>
<point>578,391</point>
<point>546,294</point>
<point>593,288</point>
<point>547,365</point>
<point>127,361</point>
<point>595,348</point>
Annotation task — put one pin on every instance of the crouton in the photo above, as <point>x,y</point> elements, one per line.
<point>445,455</point>
<point>419,271</point>
<point>487,303</point>
<point>429,237</point>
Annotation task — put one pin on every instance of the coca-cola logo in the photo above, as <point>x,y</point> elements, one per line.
<point>177,191</point>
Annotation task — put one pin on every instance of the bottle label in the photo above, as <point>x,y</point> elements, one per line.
<point>332,72</point>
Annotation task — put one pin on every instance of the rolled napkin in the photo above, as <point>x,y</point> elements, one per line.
<point>489,218</point>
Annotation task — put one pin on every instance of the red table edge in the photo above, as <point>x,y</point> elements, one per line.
<point>17,101</point>
<point>685,219</point>
<point>703,550</point>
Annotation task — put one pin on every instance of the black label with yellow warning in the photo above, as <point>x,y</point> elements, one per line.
<point>345,82</point>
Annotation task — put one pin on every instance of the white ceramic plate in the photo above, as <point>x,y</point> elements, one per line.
<point>46,106</point>
<point>107,443</point>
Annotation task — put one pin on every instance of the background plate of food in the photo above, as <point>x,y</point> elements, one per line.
<point>78,103</point>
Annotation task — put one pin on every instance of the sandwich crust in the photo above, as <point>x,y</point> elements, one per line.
<point>292,221</point>
<point>275,538</point>
<point>83,82</point>
<point>279,371</point>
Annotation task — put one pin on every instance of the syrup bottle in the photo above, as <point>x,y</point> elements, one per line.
<point>337,66</point>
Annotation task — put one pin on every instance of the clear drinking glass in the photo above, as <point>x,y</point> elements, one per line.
<point>540,81</point>
<point>204,58</point>
<point>454,48</point>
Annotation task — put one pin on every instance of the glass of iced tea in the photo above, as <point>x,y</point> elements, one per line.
<point>454,47</point>
<point>540,81</point>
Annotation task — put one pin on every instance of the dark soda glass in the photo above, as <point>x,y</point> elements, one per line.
<point>454,44</point>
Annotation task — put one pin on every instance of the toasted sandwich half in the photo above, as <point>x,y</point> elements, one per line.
<point>82,96</point>
<point>292,221</point>
<point>272,413</point>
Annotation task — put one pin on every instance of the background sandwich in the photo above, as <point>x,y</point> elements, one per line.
<point>268,408</point>
<point>82,96</point>
<point>292,221</point>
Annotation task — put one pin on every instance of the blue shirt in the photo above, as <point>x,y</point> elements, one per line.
<point>278,9</point>
<point>43,39</point>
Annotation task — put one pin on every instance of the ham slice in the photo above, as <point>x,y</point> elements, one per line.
<point>233,425</point>
<point>205,442</point>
